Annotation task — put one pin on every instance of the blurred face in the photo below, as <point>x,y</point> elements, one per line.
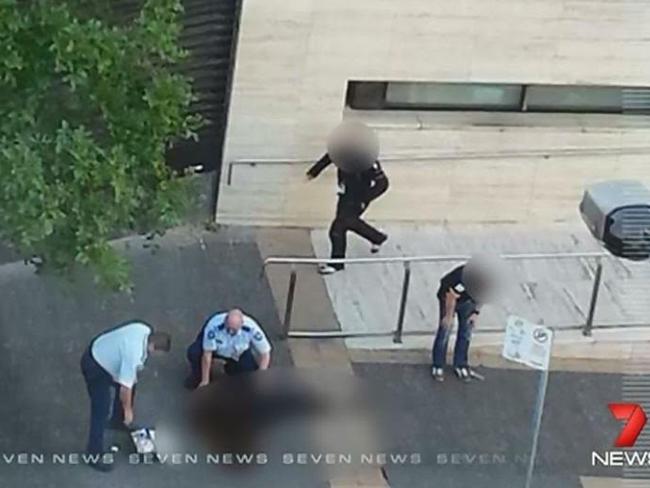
<point>234,321</point>
<point>353,146</point>
<point>484,276</point>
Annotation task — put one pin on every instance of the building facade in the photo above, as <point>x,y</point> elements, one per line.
<point>487,110</point>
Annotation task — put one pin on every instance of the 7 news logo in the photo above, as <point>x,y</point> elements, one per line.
<point>635,420</point>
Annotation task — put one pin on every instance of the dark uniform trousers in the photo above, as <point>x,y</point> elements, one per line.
<point>99,384</point>
<point>245,364</point>
<point>348,218</point>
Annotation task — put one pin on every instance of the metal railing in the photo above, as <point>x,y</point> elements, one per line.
<point>406,262</point>
<point>453,156</point>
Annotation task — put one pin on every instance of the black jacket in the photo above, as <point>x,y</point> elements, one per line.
<point>363,187</point>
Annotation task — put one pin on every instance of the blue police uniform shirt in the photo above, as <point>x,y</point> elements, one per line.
<point>122,352</point>
<point>218,339</point>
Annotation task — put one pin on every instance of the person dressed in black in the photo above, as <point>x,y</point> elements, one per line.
<point>355,192</point>
<point>454,298</point>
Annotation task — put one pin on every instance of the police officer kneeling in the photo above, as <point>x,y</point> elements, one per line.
<point>112,362</point>
<point>231,336</point>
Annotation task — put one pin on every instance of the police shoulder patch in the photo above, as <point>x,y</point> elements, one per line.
<point>459,288</point>
<point>258,336</point>
<point>211,334</point>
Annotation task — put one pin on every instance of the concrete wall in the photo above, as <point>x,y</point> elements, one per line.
<point>295,57</point>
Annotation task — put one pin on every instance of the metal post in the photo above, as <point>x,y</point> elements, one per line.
<point>229,174</point>
<point>537,424</point>
<point>586,331</point>
<point>291,292</point>
<point>397,339</point>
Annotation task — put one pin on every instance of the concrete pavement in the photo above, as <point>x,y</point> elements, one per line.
<point>478,435</point>
<point>46,322</point>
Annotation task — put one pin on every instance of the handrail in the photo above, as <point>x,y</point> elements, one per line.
<point>452,156</point>
<point>406,262</point>
<point>338,334</point>
<point>429,258</point>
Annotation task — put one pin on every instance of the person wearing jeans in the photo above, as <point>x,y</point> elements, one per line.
<point>454,299</point>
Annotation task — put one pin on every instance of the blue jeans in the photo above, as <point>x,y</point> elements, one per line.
<point>463,311</point>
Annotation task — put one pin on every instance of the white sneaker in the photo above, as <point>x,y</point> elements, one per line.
<point>438,374</point>
<point>326,269</point>
<point>462,373</point>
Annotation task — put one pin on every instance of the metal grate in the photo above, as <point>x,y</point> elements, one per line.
<point>636,100</point>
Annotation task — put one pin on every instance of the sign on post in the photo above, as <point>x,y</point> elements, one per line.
<point>528,343</point>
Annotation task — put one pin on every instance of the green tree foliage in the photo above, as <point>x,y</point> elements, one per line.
<point>89,102</point>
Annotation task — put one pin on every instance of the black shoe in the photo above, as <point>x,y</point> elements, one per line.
<point>101,466</point>
<point>190,383</point>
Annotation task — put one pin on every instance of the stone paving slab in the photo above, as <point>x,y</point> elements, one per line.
<point>555,291</point>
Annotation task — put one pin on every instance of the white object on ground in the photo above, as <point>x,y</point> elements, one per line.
<point>143,439</point>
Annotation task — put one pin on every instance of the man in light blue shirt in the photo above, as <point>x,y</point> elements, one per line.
<point>232,336</point>
<point>112,362</point>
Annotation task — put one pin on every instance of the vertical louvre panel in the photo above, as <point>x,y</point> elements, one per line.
<point>208,31</point>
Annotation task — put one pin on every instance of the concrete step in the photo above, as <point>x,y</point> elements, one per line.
<point>606,351</point>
